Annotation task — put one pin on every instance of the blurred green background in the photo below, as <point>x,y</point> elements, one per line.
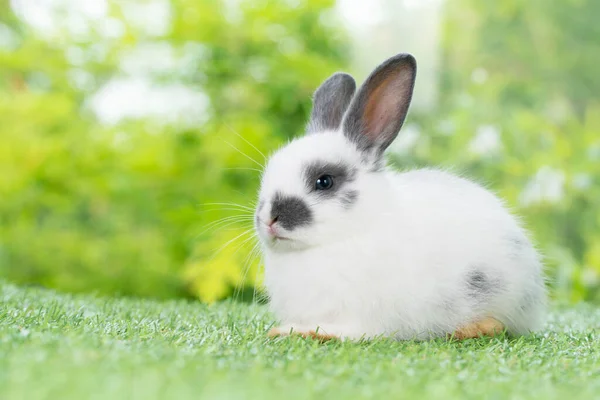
<point>121,126</point>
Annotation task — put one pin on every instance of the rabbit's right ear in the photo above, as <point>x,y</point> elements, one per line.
<point>381,104</point>
<point>330,102</point>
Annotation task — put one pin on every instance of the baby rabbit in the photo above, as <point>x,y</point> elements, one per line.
<point>355,250</point>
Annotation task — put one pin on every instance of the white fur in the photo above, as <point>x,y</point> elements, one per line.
<point>396,263</point>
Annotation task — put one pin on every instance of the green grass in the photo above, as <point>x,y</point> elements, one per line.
<point>57,346</point>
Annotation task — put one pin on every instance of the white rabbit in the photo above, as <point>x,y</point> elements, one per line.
<point>355,250</point>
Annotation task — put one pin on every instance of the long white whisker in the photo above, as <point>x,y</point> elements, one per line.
<point>245,268</point>
<point>228,204</point>
<point>220,249</point>
<point>255,286</point>
<point>219,229</point>
<point>242,169</point>
<point>228,218</point>
<point>315,203</point>
<point>228,221</point>
<point>244,139</point>
<point>243,243</point>
<point>251,202</point>
<point>226,209</point>
<point>244,154</point>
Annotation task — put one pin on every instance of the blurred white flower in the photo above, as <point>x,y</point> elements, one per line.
<point>479,75</point>
<point>138,98</point>
<point>582,181</point>
<point>486,141</point>
<point>50,16</point>
<point>8,38</point>
<point>150,58</point>
<point>153,18</point>
<point>447,127</point>
<point>594,151</point>
<point>546,186</point>
<point>589,277</point>
<point>407,139</point>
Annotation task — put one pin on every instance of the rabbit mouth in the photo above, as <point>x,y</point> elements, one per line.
<point>281,238</point>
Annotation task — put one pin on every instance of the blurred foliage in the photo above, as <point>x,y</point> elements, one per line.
<point>156,206</point>
<point>520,112</point>
<point>119,208</point>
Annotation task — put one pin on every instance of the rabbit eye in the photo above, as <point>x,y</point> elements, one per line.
<point>324,182</point>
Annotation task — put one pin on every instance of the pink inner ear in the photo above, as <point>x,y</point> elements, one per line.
<point>387,103</point>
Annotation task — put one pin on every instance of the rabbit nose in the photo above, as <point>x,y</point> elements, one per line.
<point>273,220</point>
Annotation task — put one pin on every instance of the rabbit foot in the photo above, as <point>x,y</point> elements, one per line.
<point>485,327</point>
<point>315,334</point>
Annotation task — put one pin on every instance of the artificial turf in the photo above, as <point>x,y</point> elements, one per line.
<point>60,346</point>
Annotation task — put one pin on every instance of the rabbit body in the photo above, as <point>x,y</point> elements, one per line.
<point>408,255</point>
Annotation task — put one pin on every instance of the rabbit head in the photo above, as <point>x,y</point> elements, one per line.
<point>319,187</point>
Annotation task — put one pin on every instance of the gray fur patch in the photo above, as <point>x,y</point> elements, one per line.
<point>480,285</point>
<point>517,246</point>
<point>330,102</point>
<point>348,198</point>
<point>516,241</point>
<point>290,212</point>
<point>341,173</point>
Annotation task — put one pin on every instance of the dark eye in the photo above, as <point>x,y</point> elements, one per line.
<point>324,182</point>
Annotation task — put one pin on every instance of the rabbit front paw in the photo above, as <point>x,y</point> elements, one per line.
<point>489,327</point>
<point>313,333</point>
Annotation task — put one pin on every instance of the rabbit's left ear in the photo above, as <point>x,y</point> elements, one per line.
<point>330,102</point>
<point>381,104</point>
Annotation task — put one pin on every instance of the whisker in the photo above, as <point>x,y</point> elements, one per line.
<point>230,217</point>
<point>226,209</point>
<point>228,204</point>
<point>249,263</point>
<point>242,169</point>
<point>255,286</point>
<point>244,154</point>
<point>315,203</point>
<point>251,202</point>
<point>245,140</point>
<point>220,249</point>
<point>227,221</point>
<point>245,268</point>
<point>219,229</point>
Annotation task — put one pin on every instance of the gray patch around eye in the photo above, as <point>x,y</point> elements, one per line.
<point>291,212</point>
<point>481,286</point>
<point>341,173</point>
<point>348,198</point>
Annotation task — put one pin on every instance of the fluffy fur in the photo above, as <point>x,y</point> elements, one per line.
<point>411,255</point>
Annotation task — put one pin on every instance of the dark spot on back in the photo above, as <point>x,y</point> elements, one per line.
<point>517,241</point>
<point>480,285</point>
<point>291,212</point>
<point>517,245</point>
<point>477,281</point>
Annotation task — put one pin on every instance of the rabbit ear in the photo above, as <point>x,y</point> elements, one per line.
<point>379,108</point>
<point>330,102</point>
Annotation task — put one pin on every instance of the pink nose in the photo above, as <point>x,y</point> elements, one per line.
<point>271,227</point>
